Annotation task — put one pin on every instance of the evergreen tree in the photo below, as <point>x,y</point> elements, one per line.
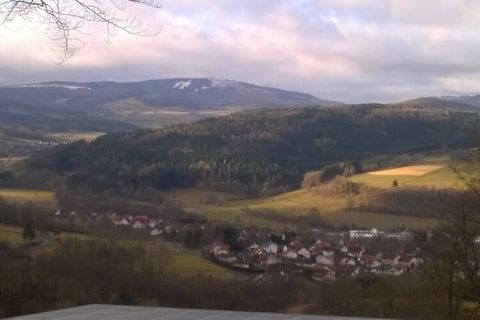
<point>395,184</point>
<point>28,231</point>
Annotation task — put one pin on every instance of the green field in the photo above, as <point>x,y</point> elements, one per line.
<point>295,203</point>
<point>182,263</point>
<point>27,195</point>
<point>12,235</point>
<point>190,264</point>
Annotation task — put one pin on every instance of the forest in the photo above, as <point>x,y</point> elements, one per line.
<point>252,153</point>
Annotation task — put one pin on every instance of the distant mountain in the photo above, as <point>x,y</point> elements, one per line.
<point>440,103</point>
<point>44,110</point>
<point>470,100</point>
<point>192,94</point>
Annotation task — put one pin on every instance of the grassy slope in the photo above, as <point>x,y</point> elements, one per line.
<point>294,203</point>
<point>190,264</point>
<point>12,235</point>
<point>26,195</point>
<point>183,263</point>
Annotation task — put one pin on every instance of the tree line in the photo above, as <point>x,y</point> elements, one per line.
<point>257,152</point>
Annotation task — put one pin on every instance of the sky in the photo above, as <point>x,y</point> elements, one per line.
<point>346,50</point>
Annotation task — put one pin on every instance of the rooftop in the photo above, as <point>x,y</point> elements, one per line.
<point>110,312</point>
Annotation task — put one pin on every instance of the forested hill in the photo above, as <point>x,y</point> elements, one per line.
<point>256,151</point>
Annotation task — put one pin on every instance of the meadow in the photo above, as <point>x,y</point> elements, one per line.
<point>183,263</point>
<point>27,195</point>
<point>293,204</point>
<point>187,263</point>
<point>11,235</point>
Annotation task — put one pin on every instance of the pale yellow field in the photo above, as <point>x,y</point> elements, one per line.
<point>443,177</point>
<point>27,195</point>
<point>419,170</point>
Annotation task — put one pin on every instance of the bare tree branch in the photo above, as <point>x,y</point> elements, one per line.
<point>66,20</point>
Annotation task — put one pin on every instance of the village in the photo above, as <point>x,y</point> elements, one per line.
<point>322,261</point>
<point>321,255</point>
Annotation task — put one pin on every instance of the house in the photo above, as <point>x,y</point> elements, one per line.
<point>348,261</point>
<point>171,228</point>
<point>325,260</point>
<point>363,234</point>
<point>123,222</point>
<point>270,259</point>
<point>304,253</point>
<point>356,251</point>
<point>152,224</point>
<point>270,247</point>
<point>407,261</point>
<point>258,252</point>
<point>370,261</point>
<point>227,258</point>
<point>138,225</point>
<point>401,236</point>
<point>290,254</point>
<point>155,232</point>
<point>323,273</point>
<point>219,248</point>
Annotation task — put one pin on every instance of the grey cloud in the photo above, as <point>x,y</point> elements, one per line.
<point>348,50</point>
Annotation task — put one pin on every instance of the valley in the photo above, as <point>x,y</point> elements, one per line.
<point>228,198</point>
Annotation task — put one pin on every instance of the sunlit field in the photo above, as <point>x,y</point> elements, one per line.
<point>438,177</point>
<point>293,204</point>
<point>27,195</point>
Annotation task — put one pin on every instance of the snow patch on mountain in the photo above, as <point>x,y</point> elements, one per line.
<point>181,85</point>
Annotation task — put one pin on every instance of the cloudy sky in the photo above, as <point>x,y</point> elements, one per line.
<point>347,50</point>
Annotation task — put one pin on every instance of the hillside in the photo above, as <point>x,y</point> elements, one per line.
<point>470,100</point>
<point>154,102</point>
<point>255,152</point>
<point>34,116</point>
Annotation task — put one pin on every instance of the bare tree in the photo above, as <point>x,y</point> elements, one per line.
<point>456,266</point>
<point>67,20</point>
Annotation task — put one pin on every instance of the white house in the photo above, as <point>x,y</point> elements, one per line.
<point>325,260</point>
<point>270,247</point>
<point>152,224</point>
<point>155,232</point>
<point>123,222</point>
<point>290,254</point>
<point>138,225</point>
<point>363,234</point>
<point>304,253</point>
